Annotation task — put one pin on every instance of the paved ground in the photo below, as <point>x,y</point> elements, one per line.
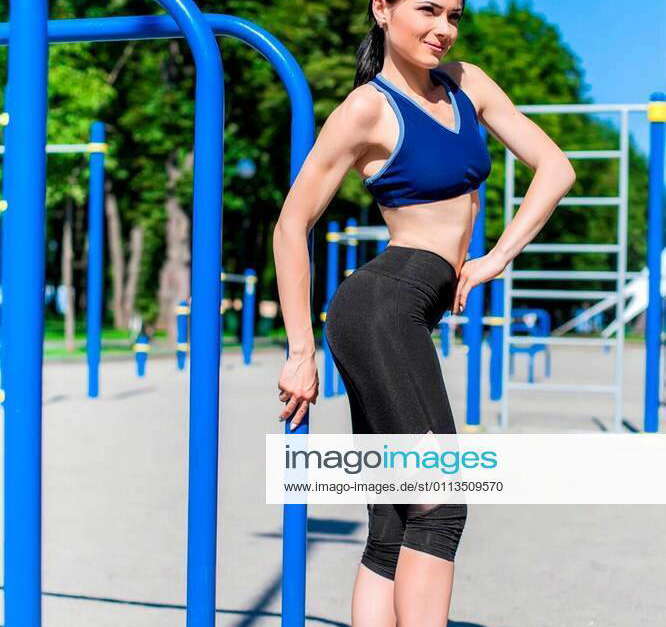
<point>115,490</point>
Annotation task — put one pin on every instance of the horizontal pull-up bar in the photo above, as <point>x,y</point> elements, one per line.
<point>134,28</point>
<point>91,147</point>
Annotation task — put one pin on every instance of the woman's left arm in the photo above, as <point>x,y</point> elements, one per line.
<point>553,178</point>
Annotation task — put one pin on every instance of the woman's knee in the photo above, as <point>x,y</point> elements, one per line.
<point>435,529</point>
<point>386,526</point>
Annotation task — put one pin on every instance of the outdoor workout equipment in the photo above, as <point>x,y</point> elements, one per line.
<point>97,149</point>
<point>141,350</point>
<point>535,323</point>
<point>657,116</point>
<point>635,294</point>
<point>249,281</point>
<point>28,34</point>
<point>182,345</point>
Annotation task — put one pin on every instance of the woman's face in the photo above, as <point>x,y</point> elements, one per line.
<point>420,31</point>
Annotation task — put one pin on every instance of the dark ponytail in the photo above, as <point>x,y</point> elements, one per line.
<point>370,54</point>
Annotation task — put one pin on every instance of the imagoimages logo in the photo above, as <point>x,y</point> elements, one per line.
<point>353,462</point>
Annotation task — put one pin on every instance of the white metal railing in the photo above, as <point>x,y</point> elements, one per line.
<point>619,273</point>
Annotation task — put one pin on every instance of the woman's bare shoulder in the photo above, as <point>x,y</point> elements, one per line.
<point>362,107</point>
<point>352,125</point>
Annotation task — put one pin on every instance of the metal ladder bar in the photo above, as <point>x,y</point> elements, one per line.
<point>619,275</point>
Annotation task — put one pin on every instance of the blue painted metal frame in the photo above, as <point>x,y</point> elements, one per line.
<point>473,330</point>
<point>23,319</point>
<point>654,252</point>
<point>24,244</point>
<point>95,285</point>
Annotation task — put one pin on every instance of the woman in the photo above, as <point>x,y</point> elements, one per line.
<point>410,129</point>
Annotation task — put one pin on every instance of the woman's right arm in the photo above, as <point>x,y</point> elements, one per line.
<point>342,140</point>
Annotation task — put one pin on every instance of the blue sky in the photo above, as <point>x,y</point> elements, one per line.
<point>621,46</point>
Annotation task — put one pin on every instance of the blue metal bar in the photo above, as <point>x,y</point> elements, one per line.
<point>351,252</point>
<point>247,330</point>
<point>141,350</point>
<point>294,516</point>
<point>23,323</point>
<point>473,330</point>
<point>444,335</point>
<point>182,323</point>
<point>332,270</point>
<point>205,318</point>
<point>95,285</point>
<point>496,334</point>
<point>654,255</point>
<point>5,177</point>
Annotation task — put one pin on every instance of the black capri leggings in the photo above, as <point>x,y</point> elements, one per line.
<point>378,327</point>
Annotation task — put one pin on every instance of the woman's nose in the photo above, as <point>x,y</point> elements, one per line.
<point>442,25</point>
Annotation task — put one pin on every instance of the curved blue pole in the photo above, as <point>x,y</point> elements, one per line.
<point>95,287</point>
<point>205,318</point>
<point>23,315</point>
<point>657,117</point>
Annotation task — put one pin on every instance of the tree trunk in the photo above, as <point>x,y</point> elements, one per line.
<point>133,272</point>
<point>175,273</point>
<point>67,277</point>
<point>117,256</point>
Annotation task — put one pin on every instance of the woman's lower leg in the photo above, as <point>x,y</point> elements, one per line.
<point>422,589</point>
<point>372,600</point>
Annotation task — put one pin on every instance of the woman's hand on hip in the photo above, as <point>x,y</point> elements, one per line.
<point>473,273</point>
<point>299,386</point>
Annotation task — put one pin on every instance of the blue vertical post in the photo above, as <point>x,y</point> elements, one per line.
<point>205,312</point>
<point>473,330</point>
<point>23,309</point>
<point>655,244</point>
<point>295,515</point>
<point>332,270</point>
<point>4,120</point>
<point>444,336</point>
<point>381,245</point>
<point>247,332</point>
<point>496,337</point>
<point>351,256</point>
<point>141,350</point>
<point>95,287</point>
<point>182,346</point>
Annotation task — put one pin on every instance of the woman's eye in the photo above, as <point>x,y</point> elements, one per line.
<point>430,9</point>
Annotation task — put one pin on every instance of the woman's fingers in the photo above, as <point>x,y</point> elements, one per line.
<point>297,419</point>
<point>289,408</point>
<point>461,295</point>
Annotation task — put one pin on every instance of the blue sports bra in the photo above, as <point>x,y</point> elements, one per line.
<point>430,161</point>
